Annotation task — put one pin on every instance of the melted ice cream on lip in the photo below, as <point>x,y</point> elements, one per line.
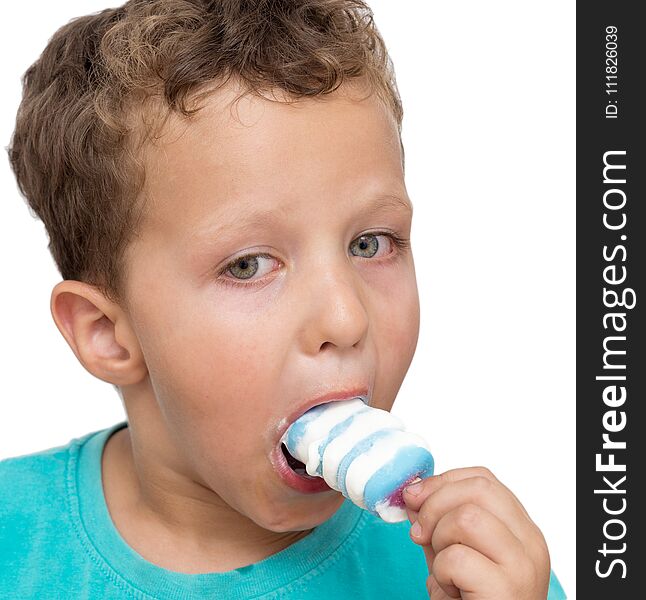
<point>363,452</point>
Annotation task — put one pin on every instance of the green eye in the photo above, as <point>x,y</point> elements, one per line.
<point>244,268</point>
<point>366,245</point>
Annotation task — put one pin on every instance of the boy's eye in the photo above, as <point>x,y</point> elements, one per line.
<point>366,245</point>
<point>245,267</point>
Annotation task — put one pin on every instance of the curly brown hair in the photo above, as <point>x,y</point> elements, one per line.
<point>76,148</point>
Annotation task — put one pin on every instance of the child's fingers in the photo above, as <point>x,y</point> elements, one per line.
<point>459,566</point>
<point>437,592</point>
<point>415,494</point>
<point>431,484</point>
<point>481,491</point>
<point>477,528</point>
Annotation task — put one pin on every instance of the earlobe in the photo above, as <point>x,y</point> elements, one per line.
<point>98,332</point>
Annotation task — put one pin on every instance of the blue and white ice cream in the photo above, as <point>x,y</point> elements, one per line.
<point>362,452</point>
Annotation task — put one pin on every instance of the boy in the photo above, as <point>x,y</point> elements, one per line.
<point>223,187</point>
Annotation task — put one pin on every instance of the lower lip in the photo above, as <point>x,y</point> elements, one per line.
<point>305,485</point>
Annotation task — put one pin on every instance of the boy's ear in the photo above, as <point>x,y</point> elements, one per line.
<point>98,332</point>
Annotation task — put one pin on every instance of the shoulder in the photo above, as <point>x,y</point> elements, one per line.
<point>33,506</point>
<point>34,499</point>
<point>36,482</point>
<point>36,526</point>
<point>32,482</point>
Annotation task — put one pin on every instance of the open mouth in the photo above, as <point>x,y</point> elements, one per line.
<point>296,465</point>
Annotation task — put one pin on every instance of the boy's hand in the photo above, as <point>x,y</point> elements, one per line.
<point>479,541</point>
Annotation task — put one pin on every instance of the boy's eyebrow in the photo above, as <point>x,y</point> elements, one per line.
<point>273,216</point>
<point>390,201</point>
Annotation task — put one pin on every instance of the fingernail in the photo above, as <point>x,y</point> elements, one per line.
<point>416,529</point>
<point>414,488</point>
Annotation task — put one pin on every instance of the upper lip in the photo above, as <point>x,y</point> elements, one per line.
<point>335,395</point>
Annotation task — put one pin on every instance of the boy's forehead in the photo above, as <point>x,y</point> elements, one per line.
<point>244,151</point>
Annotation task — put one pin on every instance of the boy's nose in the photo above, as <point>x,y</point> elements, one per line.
<point>337,313</point>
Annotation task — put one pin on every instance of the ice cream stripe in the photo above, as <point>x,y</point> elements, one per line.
<point>366,464</point>
<point>315,424</point>
<point>363,446</point>
<point>365,423</point>
<point>408,462</point>
<point>334,433</point>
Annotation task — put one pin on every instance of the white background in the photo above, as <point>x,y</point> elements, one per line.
<point>489,130</point>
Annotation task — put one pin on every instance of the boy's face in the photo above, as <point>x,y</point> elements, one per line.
<point>234,355</point>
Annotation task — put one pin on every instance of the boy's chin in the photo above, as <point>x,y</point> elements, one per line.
<point>310,512</point>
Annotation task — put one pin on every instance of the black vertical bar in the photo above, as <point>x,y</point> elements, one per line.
<point>611,537</point>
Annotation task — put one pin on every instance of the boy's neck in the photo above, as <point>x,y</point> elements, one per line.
<point>173,524</point>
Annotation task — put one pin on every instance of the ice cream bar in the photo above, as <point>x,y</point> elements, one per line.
<point>363,452</point>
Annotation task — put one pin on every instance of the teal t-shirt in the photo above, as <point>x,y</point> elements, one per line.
<point>57,540</point>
